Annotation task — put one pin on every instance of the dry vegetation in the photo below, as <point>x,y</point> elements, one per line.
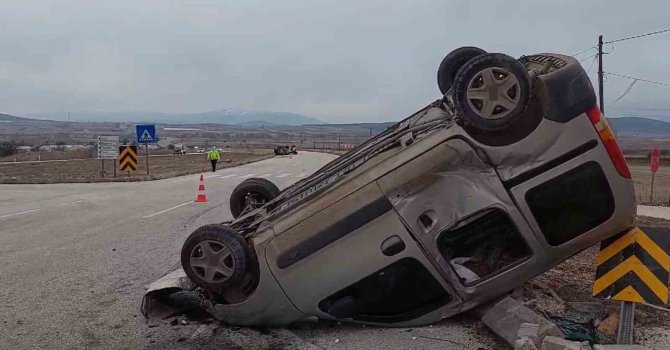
<point>642,177</point>
<point>88,170</point>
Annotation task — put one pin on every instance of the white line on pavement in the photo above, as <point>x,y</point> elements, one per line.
<point>283,175</point>
<point>301,175</point>
<point>167,210</point>
<point>266,175</point>
<point>66,204</point>
<point>17,214</point>
<point>247,176</point>
<point>227,176</point>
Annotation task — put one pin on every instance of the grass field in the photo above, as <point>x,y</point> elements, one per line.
<point>89,170</point>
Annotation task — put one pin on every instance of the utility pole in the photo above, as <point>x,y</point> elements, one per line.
<point>627,312</point>
<point>600,74</point>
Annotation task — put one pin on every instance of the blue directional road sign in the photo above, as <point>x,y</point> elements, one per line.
<point>146,133</point>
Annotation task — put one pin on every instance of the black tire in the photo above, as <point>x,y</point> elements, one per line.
<point>452,62</point>
<point>215,236</point>
<point>508,105</point>
<point>260,190</point>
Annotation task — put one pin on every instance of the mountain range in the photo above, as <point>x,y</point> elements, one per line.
<point>224,116</point>
<point>635,127</point>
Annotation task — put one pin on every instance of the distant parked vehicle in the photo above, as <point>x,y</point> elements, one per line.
<point>285,150</point>
<point>179,149</point>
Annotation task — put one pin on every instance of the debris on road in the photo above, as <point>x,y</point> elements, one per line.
<point>508,319</point>
<point>556,343</point>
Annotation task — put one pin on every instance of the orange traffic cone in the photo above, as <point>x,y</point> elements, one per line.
<point>202,197</point>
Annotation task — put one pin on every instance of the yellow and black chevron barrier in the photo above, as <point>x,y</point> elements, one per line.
<point>128,158</point>
<point>633,266</point>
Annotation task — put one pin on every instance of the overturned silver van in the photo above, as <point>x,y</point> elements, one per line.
<point>511,172</point>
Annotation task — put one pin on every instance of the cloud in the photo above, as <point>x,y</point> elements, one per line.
<point>340,60</point>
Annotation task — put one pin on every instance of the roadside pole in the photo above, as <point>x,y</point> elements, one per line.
<point>600,74</point>
<point>102,167</point>
<point>651,193</point>
<point>626,317</point>
<point>655,161</point>
<point>146,154</point>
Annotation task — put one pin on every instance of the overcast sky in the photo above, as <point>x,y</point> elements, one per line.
<point>339,60</point>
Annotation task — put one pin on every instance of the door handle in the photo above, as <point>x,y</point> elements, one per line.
<point>392,246</point>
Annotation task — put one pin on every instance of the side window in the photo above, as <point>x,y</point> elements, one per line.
<point>482,245</point>
<point>561,216</point>
<point>399,292</point>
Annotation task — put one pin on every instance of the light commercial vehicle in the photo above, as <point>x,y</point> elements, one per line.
<point>511,172</point>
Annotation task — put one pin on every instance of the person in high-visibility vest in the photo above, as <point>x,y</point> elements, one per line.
<point>213,156</point>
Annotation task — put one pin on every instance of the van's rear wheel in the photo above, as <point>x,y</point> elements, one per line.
<point>252,194</point>
<point>491,91</point>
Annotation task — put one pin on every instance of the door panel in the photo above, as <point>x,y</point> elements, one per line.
<point>451,186</point>
<point>361,234</point>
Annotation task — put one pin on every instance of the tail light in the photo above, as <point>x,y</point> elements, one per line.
<point>609,141</point>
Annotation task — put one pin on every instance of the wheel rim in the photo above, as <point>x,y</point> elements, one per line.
<point>212,261</point>
<point>253,200</point>
<point>493,93</point>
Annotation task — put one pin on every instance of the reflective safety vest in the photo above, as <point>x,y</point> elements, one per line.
<point>213,155</point>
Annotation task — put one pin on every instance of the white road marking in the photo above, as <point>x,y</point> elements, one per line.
<point>301,175</point>
<point>283,175</point>
<point>247,176</point>
<point>167,210</point>
<point>227,176</point>
<point>66,204</point>
<point>266,175</point>
<point>17,214</point>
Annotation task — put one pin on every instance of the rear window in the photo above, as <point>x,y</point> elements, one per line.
<point>572,203</point>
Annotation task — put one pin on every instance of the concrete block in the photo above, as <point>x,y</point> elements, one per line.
<point>556,343</point>
<point>530,331</point>
<point>524,344</point>
<point>620,347</point>
<point>506,317</point>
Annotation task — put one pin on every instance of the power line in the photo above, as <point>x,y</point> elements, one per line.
<point>638,36</point>
<point>595,58</point>
<point>640,79</point>
<point>581,52</point>
<point>584,59</point>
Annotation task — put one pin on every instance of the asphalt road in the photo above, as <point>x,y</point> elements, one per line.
<point>75,260</point>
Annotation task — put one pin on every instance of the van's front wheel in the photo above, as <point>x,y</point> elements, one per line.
<point>491,91</point>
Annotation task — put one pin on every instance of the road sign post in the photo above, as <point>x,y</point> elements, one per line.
<point>146,155</point>
<point>654,160</point>
<point>107,146</point>
<point>146,134</point>
<point>633,268</point>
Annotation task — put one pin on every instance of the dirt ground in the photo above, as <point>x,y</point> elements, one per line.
<point>561,290</point>
<point>641,172</point>
<point>89,170</point>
